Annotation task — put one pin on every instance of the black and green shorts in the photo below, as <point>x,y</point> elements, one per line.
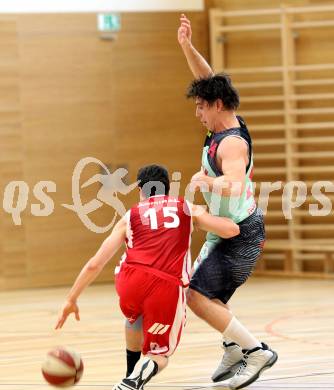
<point>231,261</point>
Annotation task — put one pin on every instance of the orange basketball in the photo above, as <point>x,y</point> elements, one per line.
<point>62,367</point>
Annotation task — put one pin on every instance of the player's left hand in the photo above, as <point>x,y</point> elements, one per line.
<point>68,308</point>
<point>184,32</point>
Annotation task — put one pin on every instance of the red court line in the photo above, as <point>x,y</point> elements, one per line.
<point>270,328</point>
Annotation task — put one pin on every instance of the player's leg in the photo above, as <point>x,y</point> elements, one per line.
<point>163,321</point>
<point>254,357</point>
<point>250,358</point>
<point>232,354</point>
<point>145,369</point>
<point>134,341</point>
<point>226,268</point>
<point>221,319</point>
<point>207,277</point>
<point>133,330</point>
<point>132,289</point>
<point>248,247</point>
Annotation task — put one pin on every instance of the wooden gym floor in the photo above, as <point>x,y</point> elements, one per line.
<point>296,317</point>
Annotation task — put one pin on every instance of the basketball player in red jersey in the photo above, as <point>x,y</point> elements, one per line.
<point>154,273</point>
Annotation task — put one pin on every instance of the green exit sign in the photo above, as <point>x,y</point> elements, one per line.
<point>109,22</point>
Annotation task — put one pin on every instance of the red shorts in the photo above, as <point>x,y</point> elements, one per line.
<point>161,302</point>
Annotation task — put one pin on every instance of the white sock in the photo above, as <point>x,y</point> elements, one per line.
<point>240,335</point>
<point>227,340</point>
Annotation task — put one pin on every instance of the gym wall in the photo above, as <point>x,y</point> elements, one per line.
<point>66,94</point>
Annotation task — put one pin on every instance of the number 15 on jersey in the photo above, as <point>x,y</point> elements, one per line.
<point>168,212</point>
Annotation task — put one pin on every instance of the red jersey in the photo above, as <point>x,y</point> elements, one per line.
<point>158,236</point>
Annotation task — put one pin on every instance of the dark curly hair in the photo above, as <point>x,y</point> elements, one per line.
<point>218,86</point>
<point>153,180</point>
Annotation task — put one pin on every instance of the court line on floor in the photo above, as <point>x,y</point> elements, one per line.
<point>269,328</point>
<point>186,387</point>
<point>260,381</point>
<point>194,386</point>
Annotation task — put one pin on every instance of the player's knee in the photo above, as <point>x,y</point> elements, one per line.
<point>193,300</point>
<point>135,326</point>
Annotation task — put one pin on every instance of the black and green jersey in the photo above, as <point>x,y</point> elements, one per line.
<point>236,208</point>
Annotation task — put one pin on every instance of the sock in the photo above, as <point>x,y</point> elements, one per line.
<point>226,339</point>
<point>144,370</point>
<point>132,358</point>
<point>240,335</point>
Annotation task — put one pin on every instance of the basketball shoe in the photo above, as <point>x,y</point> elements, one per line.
<point>141,374</point>
<point>230,362</point>
<point>255,361</point>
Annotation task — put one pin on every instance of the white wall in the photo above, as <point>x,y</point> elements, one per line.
<point>50,6</point>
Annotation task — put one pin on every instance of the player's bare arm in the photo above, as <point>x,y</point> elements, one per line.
<point>232,157</point>
<point>223,227</point>
<point>91,270</point>
<point>197,63</point>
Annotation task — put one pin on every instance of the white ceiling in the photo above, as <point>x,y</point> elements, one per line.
<point>53,6</point>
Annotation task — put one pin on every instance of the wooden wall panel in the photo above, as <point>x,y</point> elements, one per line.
<point>255,4</point>
<point>66,94</point>
<point>13,240</point>
<point>65,101</point>
<point>154,121</point>
<point>282,63</point>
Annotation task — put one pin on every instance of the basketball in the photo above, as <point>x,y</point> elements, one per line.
<point>62,367</point>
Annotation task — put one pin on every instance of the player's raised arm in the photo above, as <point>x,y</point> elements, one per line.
<point>91,270</point>
<point>222,226</point>
<point>197,63</point>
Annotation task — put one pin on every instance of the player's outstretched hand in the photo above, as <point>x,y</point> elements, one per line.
<point>184,32</point>
<point>68,308</point>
